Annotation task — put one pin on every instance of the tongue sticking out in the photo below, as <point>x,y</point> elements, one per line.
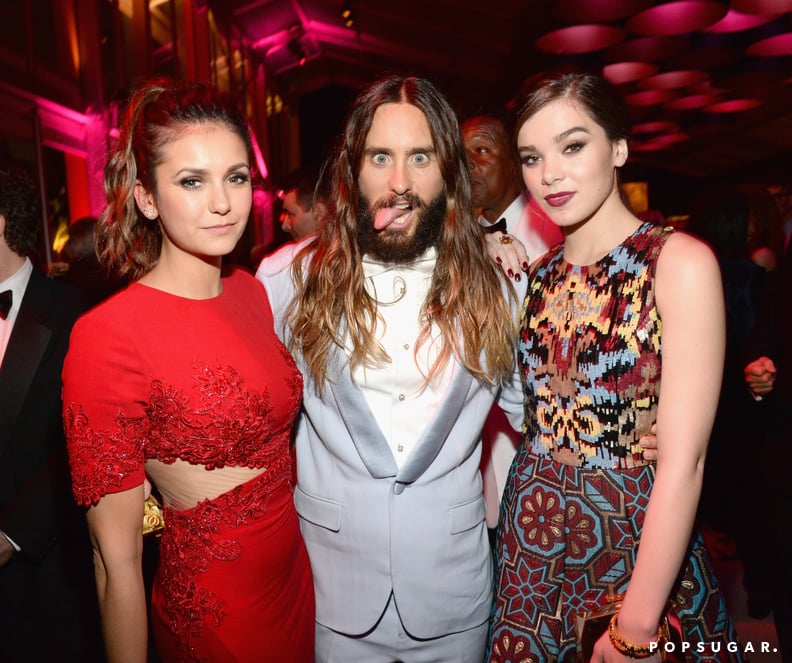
<point>387,215</point>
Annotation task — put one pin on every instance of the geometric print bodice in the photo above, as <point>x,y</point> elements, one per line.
<point>589,354</point>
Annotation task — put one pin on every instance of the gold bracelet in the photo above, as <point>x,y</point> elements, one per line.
<point>630,648</point>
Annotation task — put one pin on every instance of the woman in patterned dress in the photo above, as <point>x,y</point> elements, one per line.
<point>180,378</point>
<point>583,515</point>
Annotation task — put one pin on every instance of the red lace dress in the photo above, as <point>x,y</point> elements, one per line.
<point>154,377</point>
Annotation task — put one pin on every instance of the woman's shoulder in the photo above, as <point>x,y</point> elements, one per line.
<point>681,245</point>
<point>117,309</point>
<point>685,261</point>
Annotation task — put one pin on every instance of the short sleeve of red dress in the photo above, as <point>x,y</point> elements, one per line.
<point>104,393</point>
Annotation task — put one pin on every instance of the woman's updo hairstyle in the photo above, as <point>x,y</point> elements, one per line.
<point>157,114</point>
<point>592,93</point>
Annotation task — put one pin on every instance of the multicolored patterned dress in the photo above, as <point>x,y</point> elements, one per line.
<point>578,489</point>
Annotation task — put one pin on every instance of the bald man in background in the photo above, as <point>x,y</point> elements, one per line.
<point>503,205</point>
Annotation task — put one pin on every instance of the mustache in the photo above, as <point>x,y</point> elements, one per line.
<point>408,197</point>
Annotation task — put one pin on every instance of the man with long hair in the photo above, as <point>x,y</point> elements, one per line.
<point>404,331</point>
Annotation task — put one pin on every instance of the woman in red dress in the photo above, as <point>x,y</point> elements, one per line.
<point>180,378</point>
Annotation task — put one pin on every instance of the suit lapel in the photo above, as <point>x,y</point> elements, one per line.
<point>26,347</point>
<point>371,445</point>
<point>435,436</point>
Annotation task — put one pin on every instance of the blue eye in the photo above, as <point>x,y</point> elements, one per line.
<point>380,159</point>
<point>421,159</point>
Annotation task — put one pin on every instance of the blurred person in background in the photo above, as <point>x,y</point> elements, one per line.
<point>733,496</point>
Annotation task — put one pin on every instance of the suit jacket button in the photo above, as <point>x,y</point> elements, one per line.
<point>398,488</point>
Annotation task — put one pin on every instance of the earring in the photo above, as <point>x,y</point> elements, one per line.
<point>149,213</point>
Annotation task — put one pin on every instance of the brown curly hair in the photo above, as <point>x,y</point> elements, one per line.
<point>21,207</point>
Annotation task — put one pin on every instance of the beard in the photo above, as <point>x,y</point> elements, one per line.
<point>400,247</point>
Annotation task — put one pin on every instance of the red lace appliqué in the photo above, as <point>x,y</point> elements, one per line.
<point>190,543</point>
<point>227,427</point>
<point>101,460</point>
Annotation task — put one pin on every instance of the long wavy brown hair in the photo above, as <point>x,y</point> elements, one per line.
<point>467,297</point>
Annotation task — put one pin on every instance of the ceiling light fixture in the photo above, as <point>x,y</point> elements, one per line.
<point>346,15</point>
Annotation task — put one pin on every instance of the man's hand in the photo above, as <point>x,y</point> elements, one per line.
<point>649,443</point>
<point>760,376</point>
<point>6,551</point>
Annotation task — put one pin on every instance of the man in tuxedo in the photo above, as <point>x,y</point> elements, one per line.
<point>505,206</point>
<point>48,607</point>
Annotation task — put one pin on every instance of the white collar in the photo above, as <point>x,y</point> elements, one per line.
<point>424,264</point>
<point>17,284</point>
<point>512,213</point>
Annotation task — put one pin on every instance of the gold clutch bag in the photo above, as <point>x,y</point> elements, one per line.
<point>153,519</point>
<point>591,624</point>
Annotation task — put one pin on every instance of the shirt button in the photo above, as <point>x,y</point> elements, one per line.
<point>402,397</point>
<point>400,448</point>
<point>406,346</point>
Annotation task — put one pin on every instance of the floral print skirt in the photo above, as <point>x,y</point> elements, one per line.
<point>567,539</point>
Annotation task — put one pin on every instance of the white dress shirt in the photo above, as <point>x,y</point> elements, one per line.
<point>401,401</point>
<point>17,284</point>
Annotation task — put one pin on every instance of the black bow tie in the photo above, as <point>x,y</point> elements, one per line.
<point>5,303</point>
<point>498,226</point>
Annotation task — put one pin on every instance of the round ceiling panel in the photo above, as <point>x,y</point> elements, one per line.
<point>649,97</point>
<point>736,21</point>
<point>733,106</point>
<point>675,18</point>
<point>619,73</point>
<point>762,6</point>
<point>646,49</point>
<point>655,127</point>
<point>673,80</point>
<point>772,46</point>
<point>597,11</point>
<point>691,102</point>
<point>578,39</point>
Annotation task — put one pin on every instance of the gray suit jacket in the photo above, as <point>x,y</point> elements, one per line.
<point>372,528</point>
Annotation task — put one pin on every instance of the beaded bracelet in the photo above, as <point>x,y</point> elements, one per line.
<point>631,649</point>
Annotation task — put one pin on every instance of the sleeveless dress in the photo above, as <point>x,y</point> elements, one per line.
<point>150,375</point>
<point>578,489</point>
